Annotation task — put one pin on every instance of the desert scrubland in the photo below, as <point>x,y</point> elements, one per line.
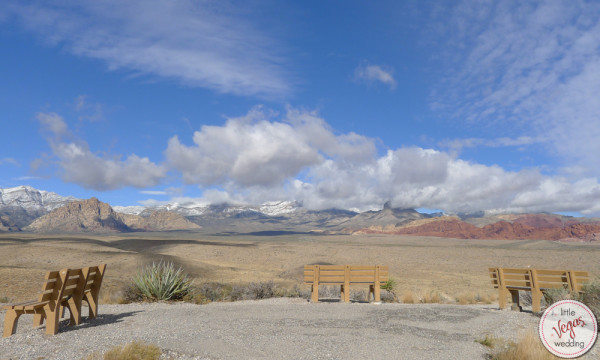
<point>419,264</point>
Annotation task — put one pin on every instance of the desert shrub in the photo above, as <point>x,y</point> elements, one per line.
<point>132,351</point>
<point>389,285</point>
<point>162,281</point>
<point>388,297</point>
<point>301,292</point>
<point>528,346</point>
<point>488,341</point>
<point>4,299</point>
<point>590,296</point>
<point>358,295</point>
<point>210,292</point>
<point>329,292</point>
<point>261,290</point>
<point>554,295</point>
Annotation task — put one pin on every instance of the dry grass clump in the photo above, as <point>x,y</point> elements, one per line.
<point>409,297</point>
<point>466,298</point>
<point>133,351</point>
<point>432,297</point>
<point>528,347</point>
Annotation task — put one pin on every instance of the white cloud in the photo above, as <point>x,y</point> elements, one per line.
<point>204,44</point>
<point>529,67</point>
<point>255,159</point>
<point>9,160</point>
<point>79,165</point>
<point>375,73</point>
<point>263,156</point>
<point>456,145</point>
<point>254,151</point>
<point>54,123</point>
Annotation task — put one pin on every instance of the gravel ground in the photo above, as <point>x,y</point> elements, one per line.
<point>277,329</point>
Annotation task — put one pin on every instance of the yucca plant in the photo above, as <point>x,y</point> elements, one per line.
<point>162,281</point>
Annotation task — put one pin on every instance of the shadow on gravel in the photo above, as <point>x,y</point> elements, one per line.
<point>102,319</point>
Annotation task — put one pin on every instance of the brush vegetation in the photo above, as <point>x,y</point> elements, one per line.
<point>161,281</point>
<point>133,351</point>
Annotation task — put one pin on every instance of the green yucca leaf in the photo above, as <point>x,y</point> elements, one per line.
<point>162,281</point>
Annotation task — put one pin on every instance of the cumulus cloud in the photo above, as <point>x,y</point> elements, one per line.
<point>375,73</point>
<point>203,44</point>
<point>255,151</point>
<point>529,67</point>
<point>81,166</point>
<point>266,157</point>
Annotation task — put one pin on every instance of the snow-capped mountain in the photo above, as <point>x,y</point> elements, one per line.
<point>23,204</point>
<point>31,199</point>
<point>275,208</point>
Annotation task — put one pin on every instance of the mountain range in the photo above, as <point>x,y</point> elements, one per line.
<point>24,208</point>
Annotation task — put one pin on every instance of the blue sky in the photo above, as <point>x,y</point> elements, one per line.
<point>459,106</point>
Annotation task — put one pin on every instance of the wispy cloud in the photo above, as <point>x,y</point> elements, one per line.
<point>456,145</point>
<point>375,74</point>
<point>531,65</point>
<point>154,192</point>
<point>202,44</point>
<point>8,160</point>
<point>27,178</point>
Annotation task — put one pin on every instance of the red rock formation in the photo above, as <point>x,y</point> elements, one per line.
<point>502,230</point>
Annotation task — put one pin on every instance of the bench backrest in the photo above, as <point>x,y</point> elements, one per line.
<point>58,285</point>
<point>509,277</point>
<point>93,279</point>
<point>527,279</point>
<point>340,274</point>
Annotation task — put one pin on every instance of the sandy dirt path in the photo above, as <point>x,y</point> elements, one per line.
<point>278,329</point>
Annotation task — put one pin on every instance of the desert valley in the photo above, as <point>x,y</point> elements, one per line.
<point>426,253</point>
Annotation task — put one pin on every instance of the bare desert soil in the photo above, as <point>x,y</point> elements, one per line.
<point>419,264</point>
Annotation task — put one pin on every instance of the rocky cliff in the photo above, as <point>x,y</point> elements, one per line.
<point>523,227</point>
<point>158,221</point>
<point>89,215</point>
<point>96,216</point>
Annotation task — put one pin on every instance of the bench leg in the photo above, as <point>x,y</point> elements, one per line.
<point>52,320</point>
<point>92,306</point>
<point>345,293</point>
<point>10,322</point>
<point>74,311</point>
<point>515,300</point>
<point>536,301</point>
<point>38,319</point>
<point>502,294</point>
<point>314,294</point>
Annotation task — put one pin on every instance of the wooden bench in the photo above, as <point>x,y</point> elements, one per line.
<point>511,281</point>
<point>66,288</point>
<point>346,275</point>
